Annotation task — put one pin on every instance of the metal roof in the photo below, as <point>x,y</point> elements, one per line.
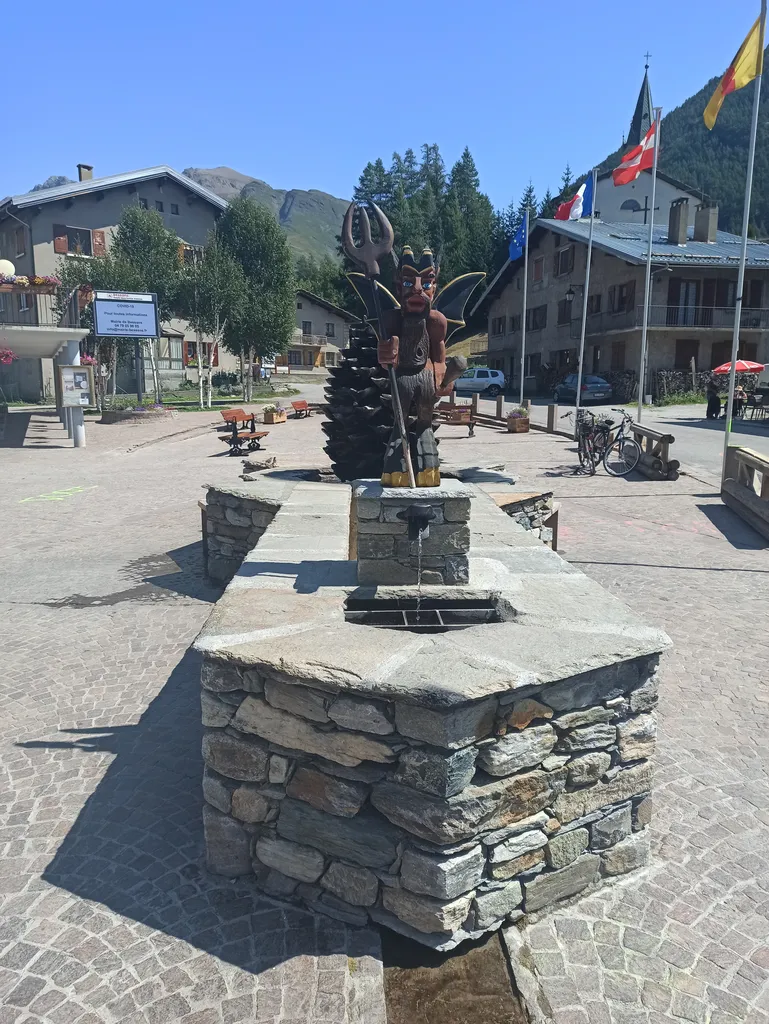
<point>344,313</point>
<point>77,188</point>
<point>629,242</point>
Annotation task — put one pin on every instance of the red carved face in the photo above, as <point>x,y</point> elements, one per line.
<point>416,291</point>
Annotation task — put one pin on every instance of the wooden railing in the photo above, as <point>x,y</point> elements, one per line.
<point>655,462</point>
<point>745,488</point>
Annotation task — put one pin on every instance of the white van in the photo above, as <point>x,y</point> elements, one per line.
<point>481,378</point>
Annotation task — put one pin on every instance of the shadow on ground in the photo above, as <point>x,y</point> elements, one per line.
<point>732,528</point>
<point>136,846</point>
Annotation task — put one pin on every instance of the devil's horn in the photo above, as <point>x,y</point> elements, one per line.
<point>386,233</point>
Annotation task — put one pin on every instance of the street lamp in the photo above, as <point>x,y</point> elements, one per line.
<point>570,294</point>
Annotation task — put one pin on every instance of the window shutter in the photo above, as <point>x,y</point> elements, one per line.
<point>630,297</point>
<point>612,298</point>
<point>98,243</point>
<point>555,263</point>
<point>571,259</point>
<point>60,243</point>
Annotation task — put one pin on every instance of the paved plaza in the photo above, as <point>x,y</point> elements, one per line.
<point>107,913</point>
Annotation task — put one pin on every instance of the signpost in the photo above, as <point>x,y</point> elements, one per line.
<point>127,315</point>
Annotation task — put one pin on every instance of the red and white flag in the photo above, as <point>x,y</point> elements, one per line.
<point>641,158</point>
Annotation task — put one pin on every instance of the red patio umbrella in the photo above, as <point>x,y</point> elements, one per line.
<point>741,366</point>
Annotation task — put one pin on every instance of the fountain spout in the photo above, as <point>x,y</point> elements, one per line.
<point>418,518</point>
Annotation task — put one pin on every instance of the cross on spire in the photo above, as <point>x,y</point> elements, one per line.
<point>647,56</point>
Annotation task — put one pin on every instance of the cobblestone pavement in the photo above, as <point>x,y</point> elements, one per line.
<point>689,938</point>
<point>105,912</point>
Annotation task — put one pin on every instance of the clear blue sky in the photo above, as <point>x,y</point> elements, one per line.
<point>303,94</point>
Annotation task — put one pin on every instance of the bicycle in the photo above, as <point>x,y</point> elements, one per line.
<point>623,453</point>
<point>596,443</point>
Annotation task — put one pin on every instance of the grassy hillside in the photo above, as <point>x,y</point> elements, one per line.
<point>311,220</point>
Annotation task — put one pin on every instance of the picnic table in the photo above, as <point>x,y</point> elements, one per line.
<point>242,440</point>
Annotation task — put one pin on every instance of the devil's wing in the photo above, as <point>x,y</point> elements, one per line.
<point>364,287</point>
<point>452,299</point>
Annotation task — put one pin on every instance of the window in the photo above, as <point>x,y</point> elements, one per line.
<point>299,305</point>
<point>306,326</point>
<point>159,205</point>
<point>622,297</point>
<point>536,318</point>
<point>69,241</point>
<point>515,323</point>
<point>309,357</point>
<point>532,364</point>
<point>618,355</point>
<point>484,374</point>
<point>2,303</point>
<point>20,241</point>
<point>632,205</point>
<point>175,209</point>
<point>331,359</point>
<point>593,305</point>
<point>596,358</point>
<point>754,293</point>
<point>330,331</point>
<point>143,203</point>
<point>686,350</point>
<point>564,261</point>
<point>538,270</point>
<point>295,357</point>
<point>497,325</point>
<point>564,312</point>
<point>25,302</point>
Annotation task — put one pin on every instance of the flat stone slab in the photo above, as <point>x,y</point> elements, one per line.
<point>374,491</point>
<point>559,623</point>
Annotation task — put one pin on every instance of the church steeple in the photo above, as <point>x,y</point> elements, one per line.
<point>644,112</point>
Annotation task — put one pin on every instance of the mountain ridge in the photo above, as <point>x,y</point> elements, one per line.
<point>311,218</point>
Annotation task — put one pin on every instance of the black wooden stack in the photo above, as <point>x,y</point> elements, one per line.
<point>359,414</point>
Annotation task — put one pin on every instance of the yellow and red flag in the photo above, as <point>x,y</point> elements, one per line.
<point>744,68</point>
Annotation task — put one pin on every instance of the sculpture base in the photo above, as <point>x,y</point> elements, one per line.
<point>384,552</point>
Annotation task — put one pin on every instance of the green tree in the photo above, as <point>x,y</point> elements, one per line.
<point>548,205</point>
<point>566,180</point>
<point>323,277</point>
<point>528,202</point>
<point>211,295</point>
<point>253,236</point>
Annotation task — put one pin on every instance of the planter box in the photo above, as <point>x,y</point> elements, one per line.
<point>275,417</point>
<point>517,425</point>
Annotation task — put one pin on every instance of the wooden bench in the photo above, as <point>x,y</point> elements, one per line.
<point>237,416</point>
<point>457,414</point>
<point>301,409</point>
<point>745,487</point>
<point>242,440</point>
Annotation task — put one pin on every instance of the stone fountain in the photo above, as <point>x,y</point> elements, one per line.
<point>415,712</point>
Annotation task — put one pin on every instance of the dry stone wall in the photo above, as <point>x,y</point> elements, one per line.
<point>235,520</point>
<point>439,822</point>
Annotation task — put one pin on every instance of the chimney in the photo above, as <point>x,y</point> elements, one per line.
<point>84,172</point>
<point>679,221</point>
<point>705,223</point>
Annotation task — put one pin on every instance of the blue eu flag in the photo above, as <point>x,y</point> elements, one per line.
<point>518,241</point>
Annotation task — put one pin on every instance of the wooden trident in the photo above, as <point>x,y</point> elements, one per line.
<point>367,255</point>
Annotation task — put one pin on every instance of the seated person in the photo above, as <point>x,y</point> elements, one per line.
<point>714,401</point>
<point>740,400</point>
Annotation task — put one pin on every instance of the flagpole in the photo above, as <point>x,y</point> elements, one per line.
<point>525,293</point>
<point>648,282</point>
<point>744,247</point>
<point>583,329</point>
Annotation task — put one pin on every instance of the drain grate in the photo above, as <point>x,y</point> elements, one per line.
<point>430,615</point>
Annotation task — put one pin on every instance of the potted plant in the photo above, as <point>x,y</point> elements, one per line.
<point>275,413</point>
<point>518,420</point>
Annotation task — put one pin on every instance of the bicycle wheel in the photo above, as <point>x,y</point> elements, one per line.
<point>621,457</point>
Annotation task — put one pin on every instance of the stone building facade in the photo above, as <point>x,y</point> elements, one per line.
<point>691,309</point>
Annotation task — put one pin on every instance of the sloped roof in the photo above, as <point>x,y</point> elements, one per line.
<point>345,314</point>
<point>629,242</point>
<point>642,115</point>
<point>78,188</point>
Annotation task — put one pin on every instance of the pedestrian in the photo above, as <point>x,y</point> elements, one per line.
<point>740,400</point>
<point>714,401</point>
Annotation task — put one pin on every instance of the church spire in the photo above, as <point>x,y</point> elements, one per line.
<point>644,111</point>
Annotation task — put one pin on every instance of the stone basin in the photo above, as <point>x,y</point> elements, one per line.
<point>441,783</point>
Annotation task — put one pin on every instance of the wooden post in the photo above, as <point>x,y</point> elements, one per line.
<point>453,397</point>
<point>474,403</point>
<point>552,412</point>
<point>500,407</point>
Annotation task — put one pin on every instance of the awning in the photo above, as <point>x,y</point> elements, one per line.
<point>39,342</point>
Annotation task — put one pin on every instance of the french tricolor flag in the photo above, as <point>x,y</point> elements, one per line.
<point>580,205</point>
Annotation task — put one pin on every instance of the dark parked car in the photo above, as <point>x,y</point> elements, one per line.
<point>594,389</point>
